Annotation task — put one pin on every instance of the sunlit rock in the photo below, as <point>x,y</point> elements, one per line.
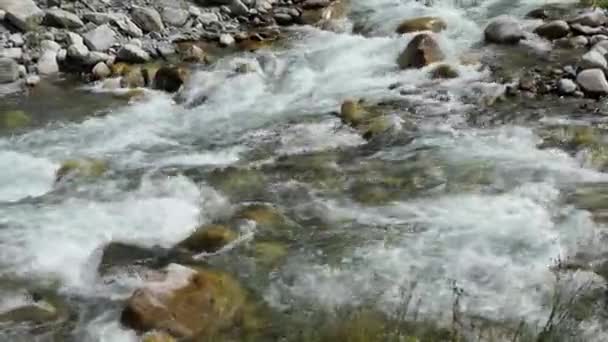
<point>187,303</point>
<point>434,24</point>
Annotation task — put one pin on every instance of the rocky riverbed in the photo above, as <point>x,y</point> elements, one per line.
<point>246,170</point>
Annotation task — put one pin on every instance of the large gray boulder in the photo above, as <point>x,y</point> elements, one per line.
<point>62,19</point>
<point>23,14</point>
<point>148,19</point>
<point>503,30</point>
<point>132,53</point>
<point>593,81</point>
<point>9,70</point>
<point>100,38</point>
<point>127,26</point>
<point>553,30</point>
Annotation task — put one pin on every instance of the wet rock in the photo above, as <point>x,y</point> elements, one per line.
<point>503,30</point>
<point>434,24</point>
<point>118,255</point>
<point>15,119</point>
<point>148,19</point>
<point>169,79</point>
<point>100,39</point>
<point>283,18</point>
<point>175,16</point>
<point>269,253</point>
<point>62,19</point>
<point>593,18</point>
<point>132,53</point>
<point>86,168</point>
<point>553,30</point>
<point>593,81</point>
<point>208,238</point>
<point>23,14</point>
<point>352,113</point>
<point>9,70</point>
<point>444,71</point>
<point>101,71</point>
<point>379,125</point>
<point>241,183</point>
<point>539,13</point>
<point>266,216</point>
<point>421,51</point>
<point>47,64</point>
<point>187,303</point>
<point>39,309</point>
<point>566,86</point>
<point>593,59</point>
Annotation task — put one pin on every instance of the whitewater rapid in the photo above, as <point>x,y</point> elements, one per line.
<point>498,245</point>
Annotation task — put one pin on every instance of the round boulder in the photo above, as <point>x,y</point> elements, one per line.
<point>169,79</point>
<point>503,30</point>
<point>593,81</point>
<point>553,30</point>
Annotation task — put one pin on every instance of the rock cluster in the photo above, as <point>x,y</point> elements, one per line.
<point>39,37</point>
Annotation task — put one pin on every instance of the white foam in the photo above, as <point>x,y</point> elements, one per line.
<point>24,175</point>
<point>57,240</point>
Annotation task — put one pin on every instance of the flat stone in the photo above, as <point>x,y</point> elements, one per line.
<point>132,54</point>
<point>101,38</point>
<point>62,19</point>
<point>23,14</point>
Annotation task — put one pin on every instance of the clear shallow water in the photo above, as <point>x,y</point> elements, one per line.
<point>496,233</point>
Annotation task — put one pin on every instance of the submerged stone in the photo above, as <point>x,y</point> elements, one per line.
<point>444,71</point>
<point>208,238</point>
<point>269,253</point>
<point>15,119</point>
<point>88,168</point>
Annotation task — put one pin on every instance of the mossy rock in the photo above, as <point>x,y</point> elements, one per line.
<point>15,119</point>
<point>377,126</point>
<point>434,24</point>
<point>209,238</point>
<point>352,113</point>
<point>120,68</point>
<point>133,78</point>
<point>241,183</point>
<point>269,253</point>
<point>87,168</point>
<point>444,71</point>
<point>190,303</point>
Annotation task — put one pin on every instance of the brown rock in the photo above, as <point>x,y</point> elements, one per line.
<point>169,78</point>
<point>421,51</point>
<point>434,24</point>
<point>208,238</point>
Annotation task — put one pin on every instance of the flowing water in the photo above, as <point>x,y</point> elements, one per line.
<point>442,206</point>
